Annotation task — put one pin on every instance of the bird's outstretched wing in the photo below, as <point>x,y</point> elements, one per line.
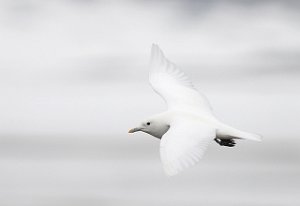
<point>184,144</point>
<point>174,86</point>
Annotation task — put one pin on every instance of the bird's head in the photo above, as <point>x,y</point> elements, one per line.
<point>153,126</point>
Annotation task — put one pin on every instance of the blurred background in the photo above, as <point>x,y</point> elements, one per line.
<point>74,79</point>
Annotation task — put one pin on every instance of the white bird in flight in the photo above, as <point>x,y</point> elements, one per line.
<point>188,125</point>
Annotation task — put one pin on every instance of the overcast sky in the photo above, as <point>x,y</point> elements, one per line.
<point>80,67</point>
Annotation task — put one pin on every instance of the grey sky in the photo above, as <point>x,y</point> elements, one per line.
<point>74,79</point>
<point>67,65</point>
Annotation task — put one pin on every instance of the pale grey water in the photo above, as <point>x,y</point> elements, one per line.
<point>126,170</point>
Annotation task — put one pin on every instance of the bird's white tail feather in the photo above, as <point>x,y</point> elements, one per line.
<point>249,136</point>
<point>232,132</point>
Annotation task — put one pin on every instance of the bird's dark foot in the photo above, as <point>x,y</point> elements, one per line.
<point>225,142</point>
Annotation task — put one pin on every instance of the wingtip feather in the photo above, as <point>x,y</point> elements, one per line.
<point>157,55</point>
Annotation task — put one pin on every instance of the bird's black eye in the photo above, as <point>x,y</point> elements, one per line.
<point>148,123</point>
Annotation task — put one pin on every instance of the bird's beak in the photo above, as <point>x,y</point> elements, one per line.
<point>135,130</point>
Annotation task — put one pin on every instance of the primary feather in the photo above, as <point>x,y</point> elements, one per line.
<point>174,86</point>
<point>184,144</point>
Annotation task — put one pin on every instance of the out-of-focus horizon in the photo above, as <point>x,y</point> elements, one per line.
<point>74,79</point>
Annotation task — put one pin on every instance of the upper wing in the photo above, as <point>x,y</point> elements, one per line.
<point>184,144</point>
<point>173,85</point>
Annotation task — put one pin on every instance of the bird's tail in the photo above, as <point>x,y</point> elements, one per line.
<point>235,133</point>
<point>249,136</point>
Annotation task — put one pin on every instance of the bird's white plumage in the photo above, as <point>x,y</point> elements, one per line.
<point>184,144</point>
<point>188,125</point>
<point>174,86</point>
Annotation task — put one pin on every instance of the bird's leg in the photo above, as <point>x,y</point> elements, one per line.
<point>225,142</point>
<point>218,141</point>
